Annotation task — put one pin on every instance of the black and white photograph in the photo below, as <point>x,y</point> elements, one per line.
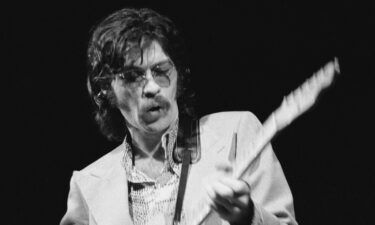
<point>189,112</point>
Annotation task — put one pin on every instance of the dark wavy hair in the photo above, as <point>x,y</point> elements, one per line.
<point>112,43</point>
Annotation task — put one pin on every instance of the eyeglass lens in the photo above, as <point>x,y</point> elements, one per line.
<point>160,73</point>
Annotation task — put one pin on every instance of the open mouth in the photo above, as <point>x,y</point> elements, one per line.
<point>155,108</point>
<point>152,114</point>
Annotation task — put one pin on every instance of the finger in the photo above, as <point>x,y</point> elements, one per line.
<point>229,215</point>
<point>211,196</point>
<point>238,186</point>
<point>220,194</point>
<point>229,209</point>
<point>241,190</point>
<point>223,189</point>
<point>225,212</point>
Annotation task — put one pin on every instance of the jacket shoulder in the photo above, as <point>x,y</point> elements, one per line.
<point>230,119</point>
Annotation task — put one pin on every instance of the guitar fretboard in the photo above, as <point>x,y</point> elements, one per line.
<point>295,104</point>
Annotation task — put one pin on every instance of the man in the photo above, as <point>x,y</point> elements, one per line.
<point>137,79</point>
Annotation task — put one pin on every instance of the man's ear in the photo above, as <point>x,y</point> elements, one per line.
<point>100,97</point>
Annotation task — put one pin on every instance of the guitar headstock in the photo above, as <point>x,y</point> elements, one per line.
<point>301,99</point>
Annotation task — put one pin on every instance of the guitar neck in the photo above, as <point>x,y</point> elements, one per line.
<point>264,137</point>
<point>266,134</point>
<point>295,104</point>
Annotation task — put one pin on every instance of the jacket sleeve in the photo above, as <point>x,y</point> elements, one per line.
<point>77,211</point>
<point>273,200</point>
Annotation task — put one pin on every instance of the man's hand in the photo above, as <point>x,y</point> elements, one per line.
<point>230,198</point>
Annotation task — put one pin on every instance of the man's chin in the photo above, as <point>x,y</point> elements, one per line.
<point>155,124</point>
<point>156,127</point>
<point>152,117</point>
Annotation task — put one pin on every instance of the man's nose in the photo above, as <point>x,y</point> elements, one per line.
<point>151,88</point>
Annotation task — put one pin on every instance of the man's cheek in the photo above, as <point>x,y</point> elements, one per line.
<point>173,93</point>
<point>126,101</point>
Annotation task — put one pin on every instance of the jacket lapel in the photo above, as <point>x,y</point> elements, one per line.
<point>107,195</point>
<point>209,140</point>
<point>106,191</point>
<point>203,172</point>
<point>111,205</point>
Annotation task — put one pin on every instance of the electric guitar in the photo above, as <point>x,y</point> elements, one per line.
<point>292,106</point>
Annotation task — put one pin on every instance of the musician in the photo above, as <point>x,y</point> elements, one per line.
<point>137,80</point>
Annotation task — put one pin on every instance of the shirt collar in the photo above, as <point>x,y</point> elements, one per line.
<point>169,143</point>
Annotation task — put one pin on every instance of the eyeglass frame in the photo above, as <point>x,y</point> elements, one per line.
<point>164,74</point>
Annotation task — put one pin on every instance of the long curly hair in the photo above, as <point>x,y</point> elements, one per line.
<point>112,42</point>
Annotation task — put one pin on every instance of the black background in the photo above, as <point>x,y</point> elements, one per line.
<point>245,56</point>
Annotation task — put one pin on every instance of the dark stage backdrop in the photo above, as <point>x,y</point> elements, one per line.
<point>244,57</point>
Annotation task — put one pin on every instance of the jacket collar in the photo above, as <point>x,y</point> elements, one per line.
<point>209,138</point>
<point>106,190</point>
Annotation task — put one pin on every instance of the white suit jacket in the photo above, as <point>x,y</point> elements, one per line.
<point>99,195</point>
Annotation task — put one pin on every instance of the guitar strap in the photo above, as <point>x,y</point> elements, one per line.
<point>188,147</point>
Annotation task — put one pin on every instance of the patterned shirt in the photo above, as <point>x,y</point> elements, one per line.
<point>152,201</point>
